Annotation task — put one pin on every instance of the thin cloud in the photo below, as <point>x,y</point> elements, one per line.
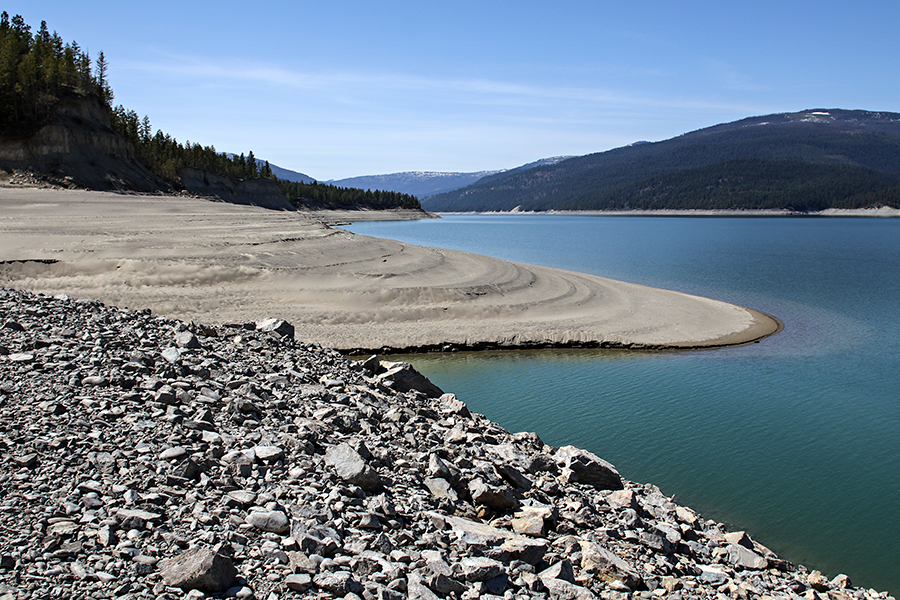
<point>473,91</point>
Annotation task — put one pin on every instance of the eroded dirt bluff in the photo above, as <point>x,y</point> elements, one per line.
<point>77,147</point>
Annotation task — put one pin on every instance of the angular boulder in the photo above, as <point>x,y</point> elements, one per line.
<point>607,565</point>
<point>581,466</point>
<point>352,468</point>
<point>493,497</point>
<point>404,378</point>
<point>277,326</point>
<point>198,569</point>
<point>740,556</point>
<point>273,521</point>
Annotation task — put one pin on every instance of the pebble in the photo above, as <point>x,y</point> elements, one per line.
<point>150,458</point>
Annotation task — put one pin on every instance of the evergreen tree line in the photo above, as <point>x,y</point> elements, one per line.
<point>167,157</point>
<point>323,194</point>
<point>37,70</point>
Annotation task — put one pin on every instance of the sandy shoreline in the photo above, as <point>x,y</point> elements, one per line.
<point>199,260</point>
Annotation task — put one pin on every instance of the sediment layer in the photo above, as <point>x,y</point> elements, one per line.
<point>195,259</point>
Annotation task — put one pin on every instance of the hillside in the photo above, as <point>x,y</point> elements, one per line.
<point>809,160</point>
<point>418,183</point>
<point>58,128</point>
<point>430,183</point>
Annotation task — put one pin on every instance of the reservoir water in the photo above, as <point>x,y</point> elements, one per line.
<point>795,439</point>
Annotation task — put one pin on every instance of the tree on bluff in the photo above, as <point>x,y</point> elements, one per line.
<point>35,70</point>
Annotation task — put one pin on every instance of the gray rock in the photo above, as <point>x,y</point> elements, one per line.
<point>441,489</point>
<point>186,339</point>
<point>438,468</point>
<point>417,590</point>
<point>298,582</point>
<point>352,468</point>
<point>505,544</point>
<point>585,467</point>
<point>173,453</point>
<point>405,378</point>
<point>278,326</point>
<point>712,574</point>
<point>479,568</point>
<point>563,590</point>
<point>513,476</point>
<point>198,569</point>
<point>371,365</point>
<point>268,453</point>
<point>239,457</point>
<point>491,496</point>
<point>608,565</point>
<point>337,582</point>
<point>748,559</point>
<point>561,570</point>
<point>242,497</point>
<point>274,521</point>
<point>171,355</point>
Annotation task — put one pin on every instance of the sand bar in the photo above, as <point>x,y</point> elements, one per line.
<point>199,260</point>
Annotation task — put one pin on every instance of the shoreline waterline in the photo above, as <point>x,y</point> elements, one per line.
<point>786,438</point>
<point>194,259</point>
<point>875,212</point>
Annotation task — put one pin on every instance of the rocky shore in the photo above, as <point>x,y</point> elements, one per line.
<point>150,458</point>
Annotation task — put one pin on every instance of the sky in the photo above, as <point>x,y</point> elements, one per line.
<point>338,89</point>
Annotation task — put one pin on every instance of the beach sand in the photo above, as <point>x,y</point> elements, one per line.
<point>194,259</point>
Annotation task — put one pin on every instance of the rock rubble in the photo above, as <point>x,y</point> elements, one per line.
<point>148,458</point>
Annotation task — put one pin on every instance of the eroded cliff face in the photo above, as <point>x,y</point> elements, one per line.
<point>77,147</point>
<point>78,122</point>
<point>255,192</point>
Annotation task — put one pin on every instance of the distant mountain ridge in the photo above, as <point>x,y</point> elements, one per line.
<point>429,183</point>
<point>418,183</point>
<point>287,174</point>
<point>807,160</point>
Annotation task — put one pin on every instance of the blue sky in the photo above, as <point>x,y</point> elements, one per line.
<point>338,89</point>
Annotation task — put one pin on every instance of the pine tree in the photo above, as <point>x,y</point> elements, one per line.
<point>252,167</point>
<point>100,81</point>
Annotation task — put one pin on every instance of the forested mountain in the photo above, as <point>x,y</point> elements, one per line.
<point>803,161</point>
<point>57,120</point>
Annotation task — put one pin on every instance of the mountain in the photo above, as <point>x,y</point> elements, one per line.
<point>429,183</point>
<point>417,183</point>
<point>287,174</point>
<point>808,160</point>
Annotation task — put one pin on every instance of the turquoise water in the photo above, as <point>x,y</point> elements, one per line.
<point>794,439</point>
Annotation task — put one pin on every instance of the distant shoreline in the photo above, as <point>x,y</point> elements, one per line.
<point>881,212</point>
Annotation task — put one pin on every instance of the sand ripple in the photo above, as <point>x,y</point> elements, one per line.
<point>194,259</point>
